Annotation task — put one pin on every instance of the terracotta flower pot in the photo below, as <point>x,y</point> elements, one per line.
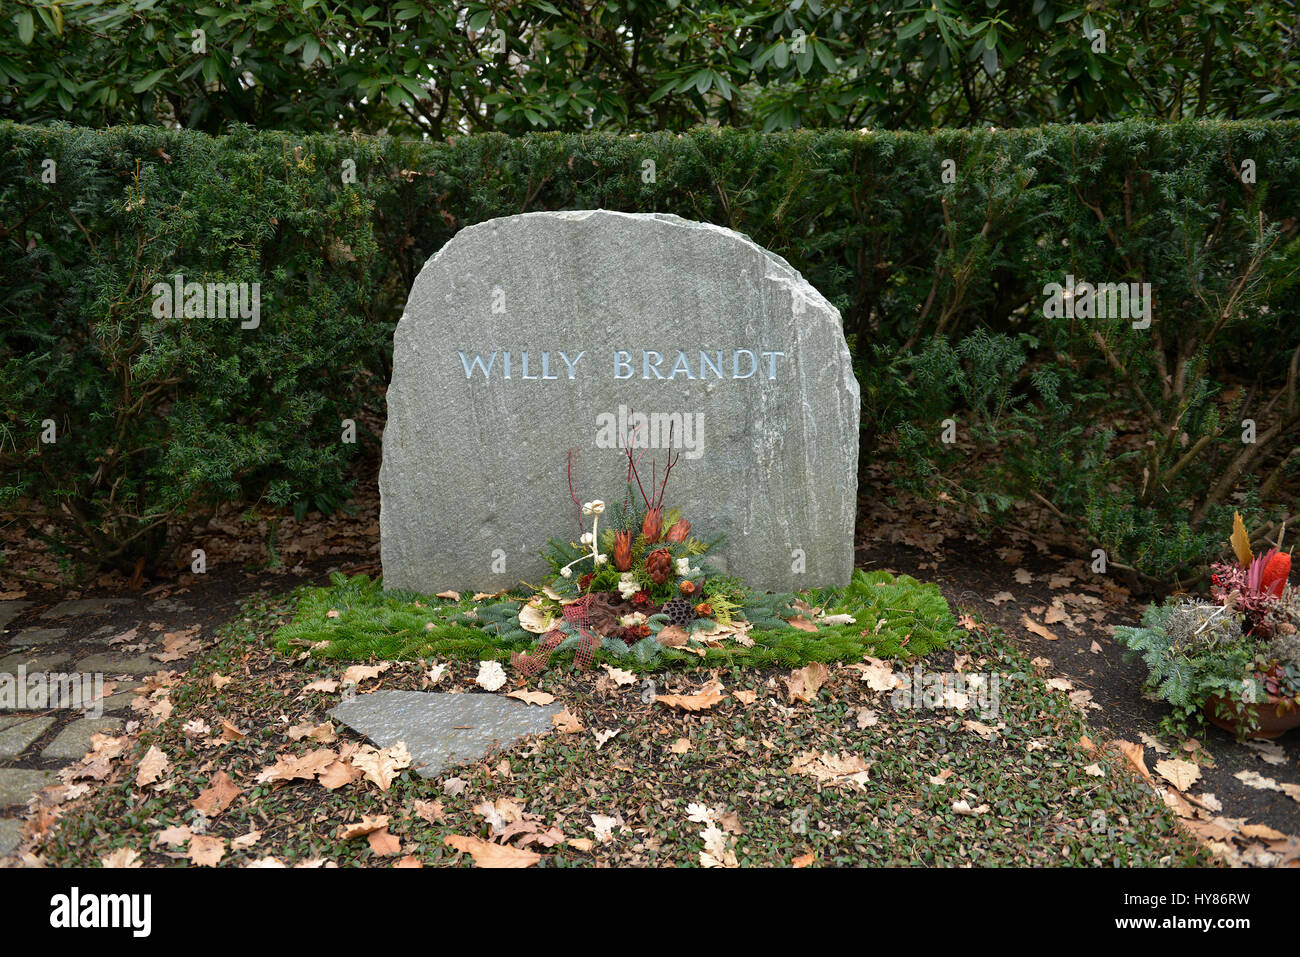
<point>1276,716</point>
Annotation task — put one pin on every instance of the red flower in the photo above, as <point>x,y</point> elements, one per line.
<point>1276,572</point>
<point>641,598</point>
<point>585,580</point>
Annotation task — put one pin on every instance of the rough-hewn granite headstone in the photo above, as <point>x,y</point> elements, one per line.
<point>529,335</point>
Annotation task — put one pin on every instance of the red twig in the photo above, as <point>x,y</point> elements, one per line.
<point>574,495</point>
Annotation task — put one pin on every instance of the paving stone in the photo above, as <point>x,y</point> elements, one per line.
<point>114,664</point>
<point>9,610</point>
<point>74,741</point>
<point>121,698</point>
<point>17,732</point>
<point>85,606</point>
<point>17,785</point>
<point>10,833</point>
<point>33,662</point>
<point>36,636</point>
<point>168,606</point>
<point>441,730</point>
<point>102,631</point>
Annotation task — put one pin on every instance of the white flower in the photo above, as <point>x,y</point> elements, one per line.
<point>629,621</point>
<point>587,538</point>
<point>683,566</point>
<point>601,559</point>
<point>566,571</point>
<point>490,675</point>
<point>594,507</point>
<point>627,587</point>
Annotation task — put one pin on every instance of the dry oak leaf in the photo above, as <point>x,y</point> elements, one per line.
<point>844,769</point>
<point>217,796</point>
<point>538,698</point>
<point>680,746</point>
<point>963,808</point>
<point>487,854</point>
<point>802,623</point>
<point>983,730</point>
<point>1032,626</point>
<point>566,722</point>
<point>368,824</point>
<point>384,844</point>
<point>219,681</point>
<point>672,636</point>
<point>122,857</point>
<point>174,836</point>
<point>323,732</point>
<point>410,860</point>
<point>152,767</point>
<point>231,733</point>
<point>804,860</point>
<point>1000,597</point>
<point>804,683</point>
<point>359,673</point>
<point>382,765</point>
<point>619,676</point>
<point>1135,755</point>
<point>1181,774</point>
<point>327,685</point>
<point>430,811</point>
<point>450,594</point>
<point>745,697</point>
<point>878,674</point>
<point>290,767</point>
<point>702,700</point>
<point>206,850</point>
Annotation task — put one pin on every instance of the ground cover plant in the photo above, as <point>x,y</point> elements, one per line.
<point>355,619</point>
<point>244,768</point>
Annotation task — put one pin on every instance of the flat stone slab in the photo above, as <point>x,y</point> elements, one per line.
<point>10,833</point>
<point>74,741</point>
<point>17,785</point>
<point>36,636</point>
<point>9,610</point>
<point>85,606</point>
<point>34,663</point>
<point>440,729</point>
<point>17,732</point>
<point>110,664</point>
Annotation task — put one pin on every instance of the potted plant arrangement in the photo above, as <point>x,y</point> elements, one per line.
<point>1232,658</point>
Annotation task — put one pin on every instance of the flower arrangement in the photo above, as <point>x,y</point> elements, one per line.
<point>638,576</point>
<point>1235,658</point>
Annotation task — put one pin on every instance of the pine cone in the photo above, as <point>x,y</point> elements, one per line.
<point>679,612</point>
<point>623,551</point>
<point>679,532</point>
<point>652,525</point>
<point>659,565</point>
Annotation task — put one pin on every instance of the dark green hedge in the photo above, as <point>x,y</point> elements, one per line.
<point>1132,436</point>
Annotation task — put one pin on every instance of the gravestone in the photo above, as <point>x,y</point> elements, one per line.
<point>530,335</point>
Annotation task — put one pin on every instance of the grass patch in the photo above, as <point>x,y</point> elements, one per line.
<point>1043,802</point>
<point>354,619</point>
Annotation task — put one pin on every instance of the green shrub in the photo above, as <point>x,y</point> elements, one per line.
<point>1132,436</point>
